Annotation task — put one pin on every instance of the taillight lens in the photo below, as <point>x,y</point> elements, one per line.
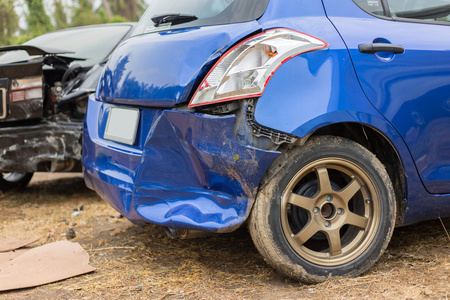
<point>25,89</point>
<point>245,70</point>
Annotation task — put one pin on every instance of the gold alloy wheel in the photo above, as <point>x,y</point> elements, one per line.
<point>330,211</point>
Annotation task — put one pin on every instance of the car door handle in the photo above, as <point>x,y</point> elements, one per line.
<point>373,48</point>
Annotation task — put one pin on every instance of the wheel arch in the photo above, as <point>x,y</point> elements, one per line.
<point>329,101</point>
<point>318,93</point>
<point>377,143</point>
<point>373,140</point>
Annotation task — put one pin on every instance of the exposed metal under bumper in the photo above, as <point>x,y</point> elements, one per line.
<point>185,234</point>
<point>35,147</point>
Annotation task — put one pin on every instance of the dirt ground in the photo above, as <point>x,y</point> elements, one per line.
<point>143,263</point>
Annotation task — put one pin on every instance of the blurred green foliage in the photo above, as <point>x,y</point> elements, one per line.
<point>60,15</point>
<point>9,22</point>
<point>37,18</point>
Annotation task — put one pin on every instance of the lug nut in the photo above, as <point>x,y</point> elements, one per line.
<point>329,198</point>
<point>368,201</point>
<point>316,210</point>
<point>340,211</point>
<point>327,224</point>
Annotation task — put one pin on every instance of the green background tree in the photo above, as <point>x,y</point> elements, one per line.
<point>60,15</point>
<point>39,16</point>
<point>9,22</point>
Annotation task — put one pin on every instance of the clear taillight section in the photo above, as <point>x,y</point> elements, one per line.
<point>245,69</point>
<point>25,89</point>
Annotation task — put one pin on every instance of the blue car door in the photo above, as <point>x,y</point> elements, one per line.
<point>401,53</point>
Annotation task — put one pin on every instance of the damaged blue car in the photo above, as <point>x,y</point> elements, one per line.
<point>320,124</point>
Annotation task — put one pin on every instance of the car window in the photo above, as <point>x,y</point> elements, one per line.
<point>206,12</point>
<point>431,10</point>
<point>91,43</point>
<point>374,7</point>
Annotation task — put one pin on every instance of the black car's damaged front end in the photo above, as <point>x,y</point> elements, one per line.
<point>39,131</point>
<point>43,99</point>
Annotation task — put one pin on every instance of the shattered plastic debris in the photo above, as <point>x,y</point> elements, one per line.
<point>75,214</point>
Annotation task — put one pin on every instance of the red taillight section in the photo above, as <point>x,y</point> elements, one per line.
<point>26,89</point>
<point>25,94</point>
<point>245,70</point>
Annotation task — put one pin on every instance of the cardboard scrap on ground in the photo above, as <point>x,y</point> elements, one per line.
<point>7,256</point>
<point>13,243</point>
<point>41,265</point>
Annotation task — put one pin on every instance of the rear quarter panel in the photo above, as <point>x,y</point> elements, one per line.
<point>321,88</point>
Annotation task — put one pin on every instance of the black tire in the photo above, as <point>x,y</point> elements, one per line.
<point>324,209</point>
<point>14,180</point>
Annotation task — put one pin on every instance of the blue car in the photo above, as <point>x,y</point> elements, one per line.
<point>321,124</point>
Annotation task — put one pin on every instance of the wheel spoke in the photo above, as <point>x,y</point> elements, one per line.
<point>350,190</point>
<point>324,180</point>
<point>329,206</point>
<point>306,233</point>
<point>334,241</point>
<point>301,201</point>
<point>355,220</point>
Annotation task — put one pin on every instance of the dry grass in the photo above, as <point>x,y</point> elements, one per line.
<point>142,263</point>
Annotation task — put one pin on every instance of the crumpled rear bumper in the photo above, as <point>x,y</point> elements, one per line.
<point>186,171</point>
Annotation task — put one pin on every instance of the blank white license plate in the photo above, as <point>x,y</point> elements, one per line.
<point>122,125</point>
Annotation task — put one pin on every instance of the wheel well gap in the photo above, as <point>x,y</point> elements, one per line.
<point>382,148</point>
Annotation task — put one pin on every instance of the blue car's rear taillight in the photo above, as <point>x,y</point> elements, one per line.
<point>245,70</point>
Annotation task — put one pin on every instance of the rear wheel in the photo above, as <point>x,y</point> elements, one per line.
<point>328,209</point>
<point>14,180</point>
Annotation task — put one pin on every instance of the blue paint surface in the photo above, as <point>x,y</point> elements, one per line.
<point>160,69</point>
<point>188,171</point>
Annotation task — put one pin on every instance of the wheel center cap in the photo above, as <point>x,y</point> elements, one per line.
<point>328,211</point>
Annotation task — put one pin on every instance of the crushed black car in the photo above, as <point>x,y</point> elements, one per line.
<point>44,87</point>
